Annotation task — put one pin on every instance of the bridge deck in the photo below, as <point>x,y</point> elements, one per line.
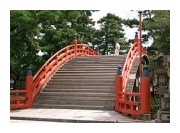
<point>69,115</point>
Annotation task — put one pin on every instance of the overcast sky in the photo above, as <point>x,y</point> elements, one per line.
<point>129,32</point>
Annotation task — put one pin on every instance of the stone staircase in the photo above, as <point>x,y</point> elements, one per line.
<point>86,82</point>
<point>132,76</point>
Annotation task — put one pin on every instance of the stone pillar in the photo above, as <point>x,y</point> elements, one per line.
<point>162,63</point>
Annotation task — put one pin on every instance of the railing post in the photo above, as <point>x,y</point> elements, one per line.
<point>29,81</point>
<point>97,50</point>
<point>145,92</point>
<point>75,45</point>
<point>136,37</point>
<point>140,43</point>
<point>119,88</point>
<point>145,49</point>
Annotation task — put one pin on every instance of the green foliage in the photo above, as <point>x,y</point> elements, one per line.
<point>23,28</point>
<point>154,106</point>
<point>111,31</point>
<point>159,29</point>
<point>131,23</point>
<point>45,30</point>
<point>51,30</point>
<point>157,25</point>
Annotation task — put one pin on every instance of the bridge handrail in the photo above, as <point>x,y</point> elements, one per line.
<point>132,54</point>
<point>59,58</point>
<point>49,61</point>
<point>128,63</point>
<point>16,97</point>
<point>124,102</point>
<point>34,84</point>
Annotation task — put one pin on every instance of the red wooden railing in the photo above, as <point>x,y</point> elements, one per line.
<point>59,58</point>
<point>18,98</point>
<point>123,100</point>
<point>34,84</point>
<point>132,54</point>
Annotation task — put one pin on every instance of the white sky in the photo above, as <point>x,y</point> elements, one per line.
<point>128,14</point>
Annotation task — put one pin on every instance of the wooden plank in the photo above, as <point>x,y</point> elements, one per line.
<point>17,98</point>
<point>18,91</point>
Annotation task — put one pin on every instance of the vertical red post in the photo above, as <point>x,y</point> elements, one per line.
<point>29,81</point>
<point>65,51</point>
<point>140,44</point>
<point>119,89</point>
<point>145,95</point>
<point>75,47</point>
<point>87,53</point>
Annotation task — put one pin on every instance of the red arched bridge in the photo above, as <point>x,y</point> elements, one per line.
<point>77,77</point>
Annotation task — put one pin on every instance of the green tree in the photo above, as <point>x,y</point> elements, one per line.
<point>45,30</point>
<point>59,32</point>
<point>158,24</point>
<point>111,31</point>
<point>51,30</point>
<point>23,45</point>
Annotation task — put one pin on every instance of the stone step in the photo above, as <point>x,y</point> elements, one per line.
<point>77,94</point>
<point>87,71</point>
<point>79,98</point>
<point>90,65</point>
<point>84,74</point>
<point>80,67</point>
<point>83,80</point>
<point>80,90</point>
<point>74,102</point>
<point>92,87</point>
<point>108,63</point>
<point>81,83</point>
<point>102,56</point>
<point>83,77</point>
<point>98,57</point>
<point>49,106</point>
<point>97,60</point>
<point>132,76</point>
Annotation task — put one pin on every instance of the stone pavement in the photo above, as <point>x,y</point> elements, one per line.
<point>29,121</point>
<point>68,115</point>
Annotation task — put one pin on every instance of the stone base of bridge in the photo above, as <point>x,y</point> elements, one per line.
<point>70,116</point>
